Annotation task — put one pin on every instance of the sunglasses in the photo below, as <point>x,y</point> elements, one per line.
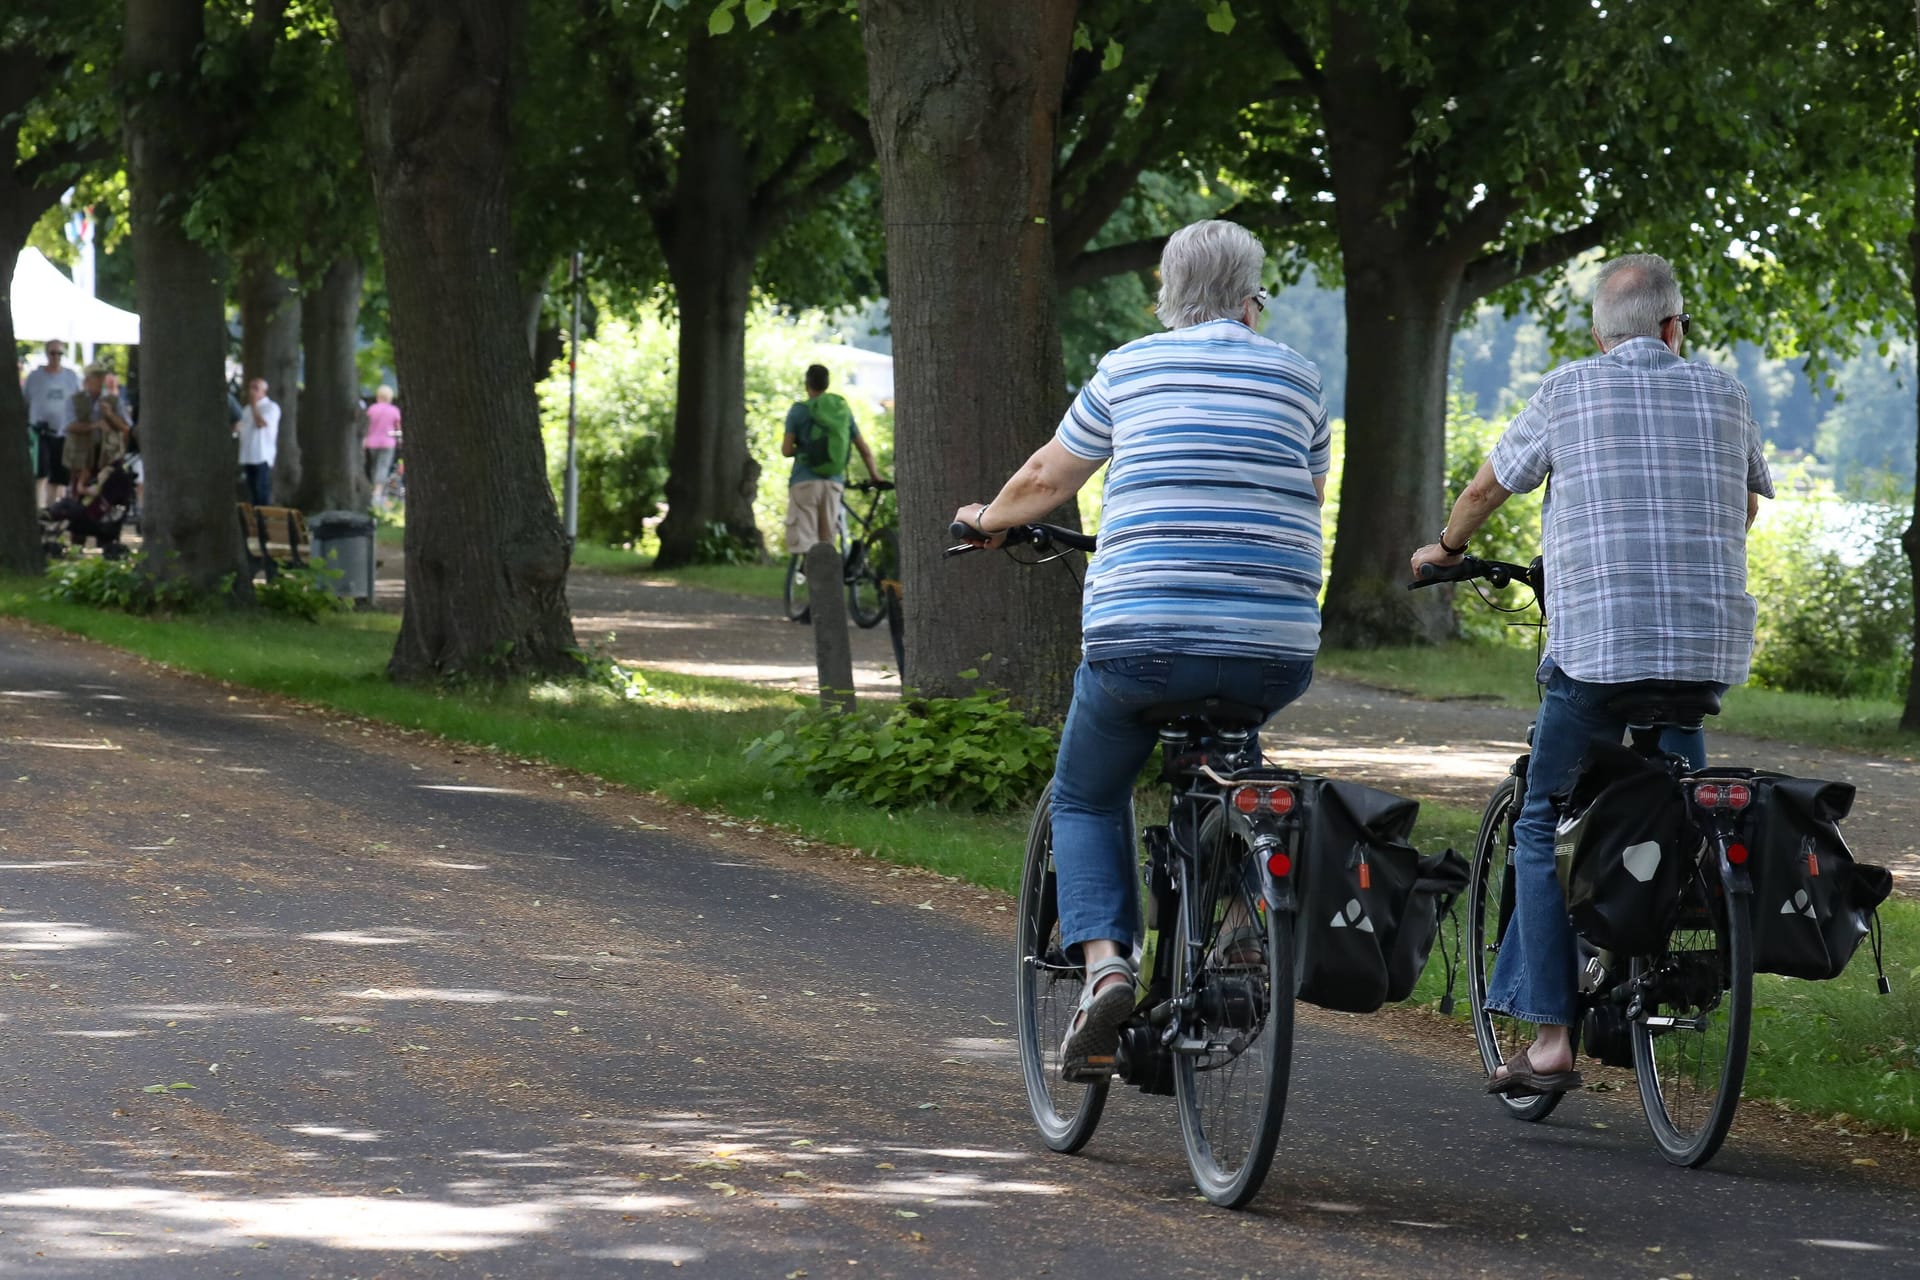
<point>1260,297</point>
<point>1686,322</point>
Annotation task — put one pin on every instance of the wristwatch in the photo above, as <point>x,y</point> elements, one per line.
<point>1452,551</point>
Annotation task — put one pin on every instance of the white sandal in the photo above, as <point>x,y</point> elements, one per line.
<point>1093,1038</point>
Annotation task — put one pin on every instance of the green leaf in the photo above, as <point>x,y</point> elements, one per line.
<point>1111,58</point>
<point>758,11</point>
<point>1220,18</point>
<point>1082,39</point>
<point>721,21</point>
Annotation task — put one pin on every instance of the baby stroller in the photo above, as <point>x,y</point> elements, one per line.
<point>96,512</point>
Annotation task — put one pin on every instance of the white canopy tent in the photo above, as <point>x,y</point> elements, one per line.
<point>47,305</point>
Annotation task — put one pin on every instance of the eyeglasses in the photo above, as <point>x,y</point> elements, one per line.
<point>1686,322</point>
<point>1260,297</point>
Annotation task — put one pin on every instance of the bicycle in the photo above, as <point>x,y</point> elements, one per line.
<point>1213,1023</point>
<point>1679,1017</point>
<point>870,560</point>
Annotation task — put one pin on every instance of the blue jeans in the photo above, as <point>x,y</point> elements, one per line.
<point>1534,977</point>
<point>259,482</point>
<point>1101,752</point>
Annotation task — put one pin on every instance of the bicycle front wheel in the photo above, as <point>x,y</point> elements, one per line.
<point>1489,909</point>
<point>797,597</point>
<point>1047,995</point>
<point>1234,1054</point>
<point>1690,1040</point>
<point>866,596</point>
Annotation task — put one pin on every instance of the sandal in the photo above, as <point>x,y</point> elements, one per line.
<point>1093,1038</point>
<point>1522,1081</point>
<point>1244,947</point>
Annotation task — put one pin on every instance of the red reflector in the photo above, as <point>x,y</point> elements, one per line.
<point>1736,854</point>
<point>1738,795</point>
<point>1280,800</point>
<point>1246,799</point>
<point>1279,864</point>
<point>1706,794</point>
<point>1366,875</point>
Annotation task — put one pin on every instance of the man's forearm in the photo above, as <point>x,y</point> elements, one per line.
<point>1479,500</point>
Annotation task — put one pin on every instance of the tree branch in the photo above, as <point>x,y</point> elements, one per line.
<point>1097,264</point>
<point>49,162</point>
<point>1300,54</point>
<point>769,221</point>
<point>771,191</point>
<point>1495,271</point>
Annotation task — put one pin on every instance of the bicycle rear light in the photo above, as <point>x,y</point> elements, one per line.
<point>1737,795</point>
<point>1251,800</point>
<point>1279,865</point>
<point>1279,801</point>
<point>1737,854</point>
<point>1246,799</point>
<point>1707,795</point>
<point>1731,795</point>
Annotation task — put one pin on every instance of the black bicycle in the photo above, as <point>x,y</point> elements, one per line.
<point>1213,1022</point>
<point>870,559</point>
<point>1679,1015</point>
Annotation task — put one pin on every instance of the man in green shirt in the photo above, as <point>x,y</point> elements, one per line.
<point>813,492</point>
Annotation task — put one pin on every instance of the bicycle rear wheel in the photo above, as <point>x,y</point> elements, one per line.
<point>796,595</point>
<point>1690,1042</point>
<point>1234,1054</point>
<point>1489,908</point>
<point>1048,993</point>
<point>866,598</point>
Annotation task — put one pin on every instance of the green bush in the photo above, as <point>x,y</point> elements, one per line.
<point>972,753</point>
<point>1512,533</point>
<point>304,593</point>
<point>116,584</point>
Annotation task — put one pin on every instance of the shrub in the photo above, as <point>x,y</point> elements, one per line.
<point>117,584</point>
<point>304,593</point>
<point>972,753</point>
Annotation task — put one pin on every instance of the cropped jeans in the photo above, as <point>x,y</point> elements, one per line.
<point>1101,752</point>
<point>1535,975</point>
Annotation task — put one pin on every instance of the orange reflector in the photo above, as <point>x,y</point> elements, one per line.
<point>1737,854</point>
<point>1707,794</point>
<point>1366,875</point>
<point>1813,863</point>
<point>1279,864</point>
<point>1246,799</point>
<point>1280,800</point>
<point>1738,795</point>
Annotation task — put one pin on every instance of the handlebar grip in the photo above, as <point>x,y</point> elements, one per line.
<point>1429,571</point>
<point>961,529</point>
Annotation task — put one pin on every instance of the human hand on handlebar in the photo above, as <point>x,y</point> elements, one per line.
<point>968,517</point>
<point>1433,554</point>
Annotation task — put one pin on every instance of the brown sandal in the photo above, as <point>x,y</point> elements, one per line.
<point>1522,1081</point>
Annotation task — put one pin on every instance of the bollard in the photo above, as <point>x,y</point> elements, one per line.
<point>832,648</point>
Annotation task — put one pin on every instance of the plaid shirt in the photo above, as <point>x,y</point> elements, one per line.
<point>1645,538</point>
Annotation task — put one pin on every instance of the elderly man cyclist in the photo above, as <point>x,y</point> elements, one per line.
<point>1207,579</point>
<point>1657,474</point>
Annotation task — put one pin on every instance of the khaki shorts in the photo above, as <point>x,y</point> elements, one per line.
<point>813,514</point>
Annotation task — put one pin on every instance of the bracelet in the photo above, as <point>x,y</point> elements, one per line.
<point>980,520</point>
<point>1452,551</point>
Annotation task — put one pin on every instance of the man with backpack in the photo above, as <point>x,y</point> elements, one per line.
<point>820,434</point>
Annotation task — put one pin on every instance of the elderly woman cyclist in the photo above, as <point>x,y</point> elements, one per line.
<point>1206,583</point>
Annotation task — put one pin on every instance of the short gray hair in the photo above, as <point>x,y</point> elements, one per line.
<point>1207,272</point>
<point>1636,293</point>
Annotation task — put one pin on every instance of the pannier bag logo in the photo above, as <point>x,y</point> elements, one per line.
<point>1355,916</point>
<point>1798,904</point>
<point>1641,860</point>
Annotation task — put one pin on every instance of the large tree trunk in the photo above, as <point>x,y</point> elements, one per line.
<point>1910,538</point>
<point>965,101</point>
<point>20,550</point>
<point>334,475</point>
<point>710,253</point>
<point>270,349</point>
<point>486,558</point>
<point>186,439</point>
<point>1399,311</point>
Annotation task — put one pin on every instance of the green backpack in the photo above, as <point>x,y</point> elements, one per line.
<point>830,436</point>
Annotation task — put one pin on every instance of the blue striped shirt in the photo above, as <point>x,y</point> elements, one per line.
<point>1210,529</point>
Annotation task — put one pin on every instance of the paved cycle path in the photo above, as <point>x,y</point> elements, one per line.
<point>284,995</point>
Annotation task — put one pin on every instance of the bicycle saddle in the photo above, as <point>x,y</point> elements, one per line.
<point>1680,703</point>
<point>1221,713</point>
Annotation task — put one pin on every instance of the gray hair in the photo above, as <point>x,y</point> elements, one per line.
<point>1207,272</point>
<point>1635,294</point>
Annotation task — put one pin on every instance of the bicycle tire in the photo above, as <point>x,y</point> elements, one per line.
<point>1234,994</point>
<point>1672,1064</point>
<point>1048,990</point>
<point>866,592</point>
<point>1489,907</point>
<point>796,596</point>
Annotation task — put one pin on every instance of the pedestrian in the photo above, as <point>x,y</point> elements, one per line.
<point>259,428</point>
<point>820,432</point>
<point>383,438</point>
<point>50,390</point>
<point>1657,475</point>
<point>1207,584</point>
<point>97,430</point>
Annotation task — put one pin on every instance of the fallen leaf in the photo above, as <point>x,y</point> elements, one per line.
<point>1868,1161</point>
<point>905,1213</point>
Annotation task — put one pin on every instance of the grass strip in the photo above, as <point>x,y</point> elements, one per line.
<point>1503,674</point>
<point>757,581</point>
<point>1835,1047</point>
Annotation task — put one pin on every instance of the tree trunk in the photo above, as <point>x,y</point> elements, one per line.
<point>710,250</point>
<point>334,474</point>
<point>486,560</point>
<point>186,438</point>
<point>20,550</point>
<point>1910,538</point>
<point>965,102</point>
<point>1392,491</point>
<point>270,349</point>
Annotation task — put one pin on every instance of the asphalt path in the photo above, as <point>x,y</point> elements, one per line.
<point>287,995</point>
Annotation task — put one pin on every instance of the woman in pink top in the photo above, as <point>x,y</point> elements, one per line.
<point>383,437</point>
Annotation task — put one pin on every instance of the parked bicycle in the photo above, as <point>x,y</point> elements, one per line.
<point>1679,1014</point>
<point>870,558</point>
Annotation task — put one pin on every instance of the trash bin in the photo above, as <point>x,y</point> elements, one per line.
<point>343,541</point>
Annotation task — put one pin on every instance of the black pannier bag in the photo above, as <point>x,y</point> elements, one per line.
<point>1812,903</point>
<point>1624,845</point>
<point>1370,905</point>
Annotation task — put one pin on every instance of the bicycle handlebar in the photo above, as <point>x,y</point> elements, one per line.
<point>1045,537</point>
<point>871,486</point>
<point>1498,572</point>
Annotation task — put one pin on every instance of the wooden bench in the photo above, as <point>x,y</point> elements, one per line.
<point>275,538</point>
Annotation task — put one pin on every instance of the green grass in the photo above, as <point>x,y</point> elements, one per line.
<point>759,581</point>
<point>1820,1047</point>
<point>1504,674</point>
